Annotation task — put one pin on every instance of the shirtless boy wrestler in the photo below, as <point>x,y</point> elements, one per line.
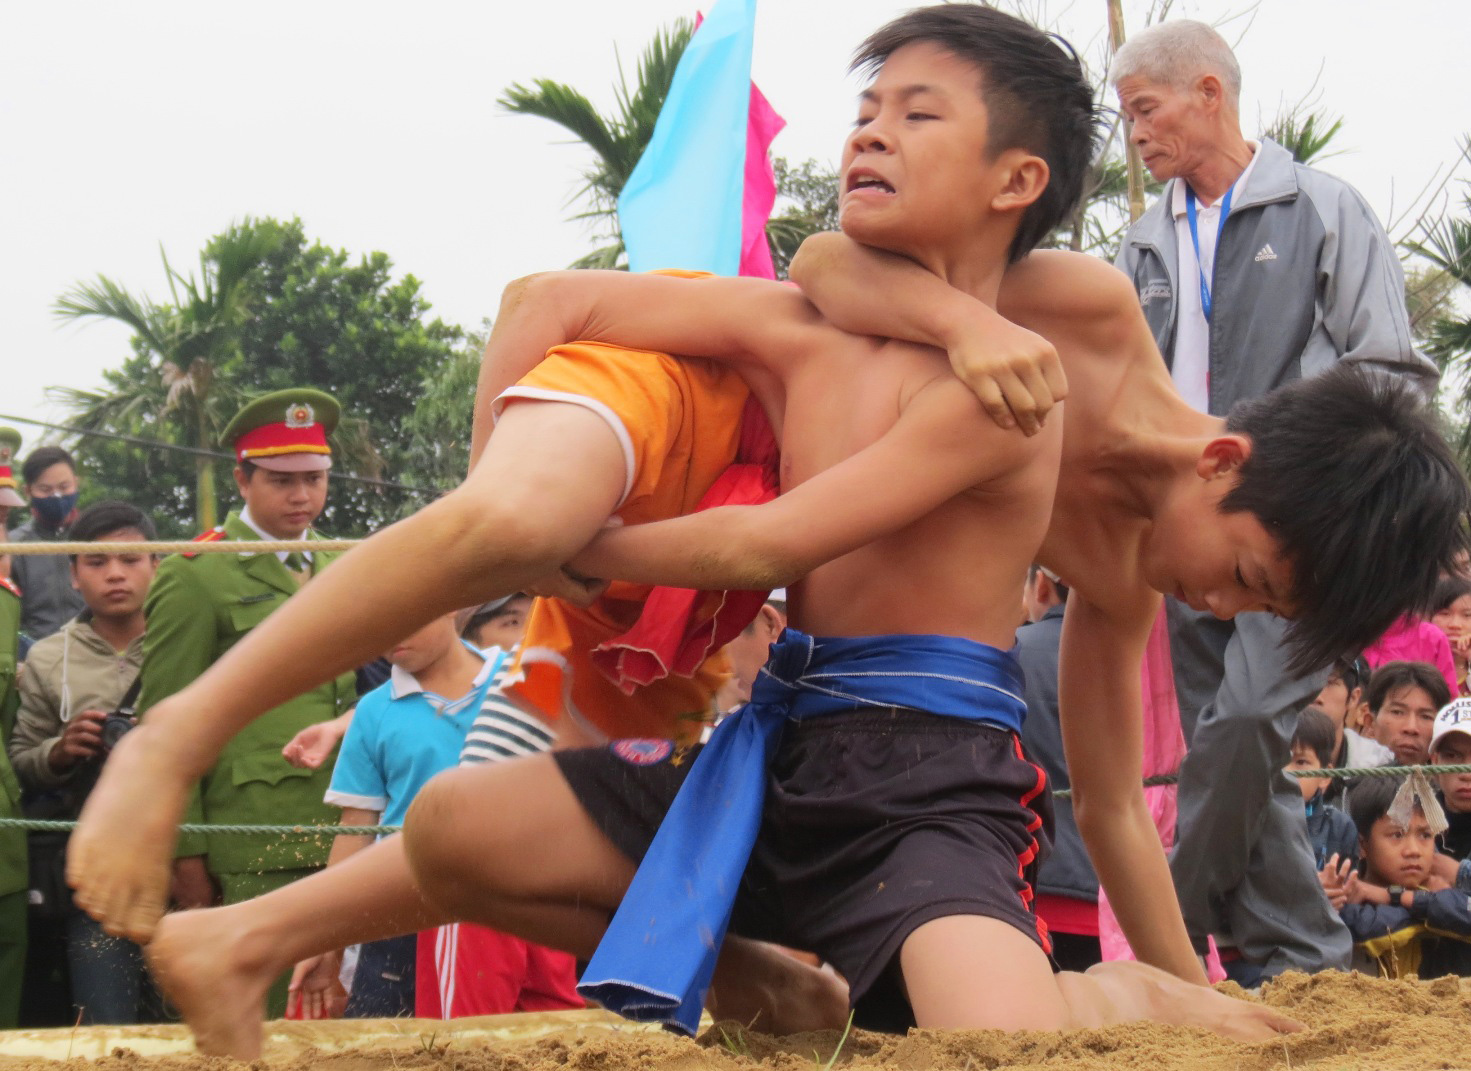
<point>908,476</point>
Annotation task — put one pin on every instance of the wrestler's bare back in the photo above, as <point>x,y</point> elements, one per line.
<point>1120,397</point>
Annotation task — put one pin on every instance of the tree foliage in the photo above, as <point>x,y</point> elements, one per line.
<point>303,314</point>
<point>616,140</point>
<point>807,194</point>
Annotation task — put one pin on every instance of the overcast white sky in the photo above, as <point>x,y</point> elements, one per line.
<point>127,126</point>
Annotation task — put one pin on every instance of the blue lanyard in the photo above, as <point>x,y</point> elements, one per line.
<point>1205,290</point>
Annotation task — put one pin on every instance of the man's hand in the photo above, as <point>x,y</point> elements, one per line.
<point>1335,878</point>
<point>308,749</point>
<point>1435,883</point>
<point>192,886</point>
<point>316,989</point>
<point>80,740</point>
<point>1015,373</point>
<point>1445,867</point>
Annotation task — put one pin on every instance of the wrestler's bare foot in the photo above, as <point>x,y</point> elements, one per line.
<point>1168,999</point>
<point>203,963</point>
<point>766,989</point>
<point>121,854</point>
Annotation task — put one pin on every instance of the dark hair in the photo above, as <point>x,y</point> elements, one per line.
<point>1036,97</point>
<point>42,458</point>
<point>1370,799</point>
<point>1452,586</point>
<point>1057,585</point>
<point>1351,476</point>
<point>1314,731</point>
<point>1394,676</point>
<point>1353,671</point>
<point>104,518</point>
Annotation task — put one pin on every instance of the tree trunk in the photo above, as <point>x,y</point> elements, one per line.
<point>204,473</point>
<point>1131,154</point>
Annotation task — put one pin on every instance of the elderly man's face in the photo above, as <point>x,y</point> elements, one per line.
<point>1171,127</point>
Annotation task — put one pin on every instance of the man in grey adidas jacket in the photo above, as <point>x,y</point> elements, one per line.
<point>1253,271</point>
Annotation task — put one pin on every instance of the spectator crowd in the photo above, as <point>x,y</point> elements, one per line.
<point>1273,872</point>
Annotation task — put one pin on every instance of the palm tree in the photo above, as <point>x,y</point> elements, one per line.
<point>181,374</point>
<point>617,140</point>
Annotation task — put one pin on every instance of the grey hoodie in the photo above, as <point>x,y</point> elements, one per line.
<point>68,672</point>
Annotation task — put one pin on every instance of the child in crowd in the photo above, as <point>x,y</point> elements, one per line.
<point>1451,613</point>
<point>498,623</point>
<point>402,734</point>
<point>1331,831</point>
<point>1341,699</point>
<point>1451,746</point>
<point>1404,698</point>
<point>1406,920</point>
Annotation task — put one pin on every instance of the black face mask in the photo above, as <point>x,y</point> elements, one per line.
<point>53,510</point>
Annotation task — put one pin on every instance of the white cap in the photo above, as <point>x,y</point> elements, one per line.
<point>1454,717</point>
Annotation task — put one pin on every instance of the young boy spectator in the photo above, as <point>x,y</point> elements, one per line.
<point>1405,920</point>
<point>1451,746</point>
<point>1451,613</point>
<point>498,623</point>
<point>1331,831</point>
<point>1404,698</point>
<point>403,733</point>
<point>1340,699</point>
<point>75,679</point>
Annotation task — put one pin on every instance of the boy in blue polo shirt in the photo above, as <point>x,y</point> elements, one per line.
<point>404,732</point>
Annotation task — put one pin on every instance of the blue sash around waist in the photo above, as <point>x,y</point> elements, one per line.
<point>657,958</point>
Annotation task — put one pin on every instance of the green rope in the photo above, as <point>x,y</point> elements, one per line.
<point>1340,773</point>
<point>50,826</point>
<point>1335,772</point>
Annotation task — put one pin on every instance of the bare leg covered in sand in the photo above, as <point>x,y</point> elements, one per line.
<point>547,483</point>
<point>216,965</point>
<point>974,973</point>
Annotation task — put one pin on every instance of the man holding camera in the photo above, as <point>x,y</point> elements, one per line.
<point>75,683</point>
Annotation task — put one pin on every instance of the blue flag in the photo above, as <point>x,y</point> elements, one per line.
<point>681,207</point>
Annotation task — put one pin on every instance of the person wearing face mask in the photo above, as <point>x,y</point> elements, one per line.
<point>48,599</point>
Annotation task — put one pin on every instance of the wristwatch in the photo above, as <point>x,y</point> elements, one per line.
<point>1395,893</point>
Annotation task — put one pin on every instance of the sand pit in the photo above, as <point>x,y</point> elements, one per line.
<point>1353,1022</point>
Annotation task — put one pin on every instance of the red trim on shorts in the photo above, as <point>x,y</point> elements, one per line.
<point>1026,858</point>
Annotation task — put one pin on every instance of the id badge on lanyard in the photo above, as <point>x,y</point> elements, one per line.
<point>1205,288</point>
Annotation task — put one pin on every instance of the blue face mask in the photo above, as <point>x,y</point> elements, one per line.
<point>54,509</point>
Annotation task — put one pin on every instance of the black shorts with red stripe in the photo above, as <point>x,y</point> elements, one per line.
<point>876,822</point>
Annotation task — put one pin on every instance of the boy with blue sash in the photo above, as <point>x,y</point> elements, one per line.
<point>972,143</point>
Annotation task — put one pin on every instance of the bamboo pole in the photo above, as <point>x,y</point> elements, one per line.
<point>1133,162</point>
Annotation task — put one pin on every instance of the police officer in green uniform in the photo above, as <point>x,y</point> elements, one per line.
<point>13,876</point>
<point>9,492</point>
<point>14,879</point>
<point>200,605</point>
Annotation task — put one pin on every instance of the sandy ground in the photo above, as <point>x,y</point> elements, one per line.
<point>1353,1022</point>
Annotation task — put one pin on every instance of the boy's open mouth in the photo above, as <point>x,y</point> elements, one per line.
<point>863,179</point>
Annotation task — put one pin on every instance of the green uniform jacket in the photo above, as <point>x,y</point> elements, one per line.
<point>198,608</point>
<point>13,875</point>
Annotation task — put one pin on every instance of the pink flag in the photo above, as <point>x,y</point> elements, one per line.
<point>760,196</point>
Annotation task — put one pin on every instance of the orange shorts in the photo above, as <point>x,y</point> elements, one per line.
<point>679,424</point>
